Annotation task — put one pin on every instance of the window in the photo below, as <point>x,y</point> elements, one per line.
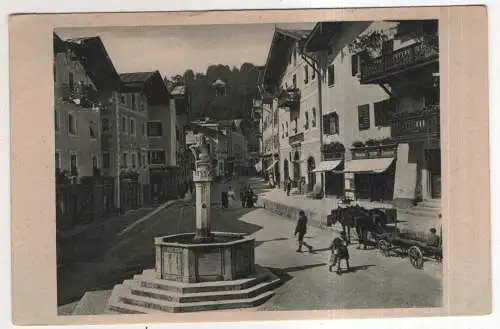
<point>364,117</point>
<point>294,81</point>
<point>105,160</point>
<point>132,103</point>
<point>134,160</point>
<point>73,164</point>
<point>125,159</point>
<point>71,124</point>
<point>92,132</point>
<point>154,129</point>
<point>283,130</point>
<point>142,106</point>
<point>123,98</point>
<point>144,160</point>
<point>71,80</point>
<point>105,125</point>
<point>331,75</point>
<point>313,119</point>
<point>383,113</point>
<point>144,130</point>
<point>286,129</point>
<point>94,162</point>
<point>56,121</point>
<point>306,74</point>
<point>313,71</point>
<point>132,126</point>
<point>355,64</point>
<point>124,125</point>
<point>331,124</point>
<point>157,157</point>
<point>58,160</point>
<point>306,125</point>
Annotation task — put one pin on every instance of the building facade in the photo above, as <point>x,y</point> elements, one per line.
<point>293,81</point>
<point>84,82</point>
<point>380,104</point>
<point>156,142</point>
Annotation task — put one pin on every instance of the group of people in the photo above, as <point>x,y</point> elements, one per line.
<point>338,246</point>
<point>247,197</point>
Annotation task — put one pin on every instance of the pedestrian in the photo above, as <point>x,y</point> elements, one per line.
<point>288,186</point>
<point>250,198</point>
<point>434,239</point>
<point>243,196</point>
<point>223,196</point>
<point>339,251</point>
<point>231,198</point>
<point>301,230</point>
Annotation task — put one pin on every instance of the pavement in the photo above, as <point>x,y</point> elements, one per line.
<point>319,209</point>
<point>107,254</point>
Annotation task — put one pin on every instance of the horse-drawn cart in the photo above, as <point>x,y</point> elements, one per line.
<point>405,244</point>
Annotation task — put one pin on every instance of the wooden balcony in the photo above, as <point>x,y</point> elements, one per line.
<point>297,138</point>
<point>378,70</point>
<point>374,152</point>
<point>418,125</point>
<point>289,98</point>
<point>81,94</point>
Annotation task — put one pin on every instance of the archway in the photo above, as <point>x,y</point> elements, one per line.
<point>286,170</point>
<point>311,165</point>
<point>296,167</point>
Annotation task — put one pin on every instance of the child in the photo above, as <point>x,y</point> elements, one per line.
<point>339,251</point>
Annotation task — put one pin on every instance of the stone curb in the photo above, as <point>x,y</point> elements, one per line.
<point>290,212</point>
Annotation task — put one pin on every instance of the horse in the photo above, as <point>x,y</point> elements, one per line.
<point>362,220</point>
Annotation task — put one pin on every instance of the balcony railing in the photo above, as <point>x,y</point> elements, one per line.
<point>418,125</point>
<point>81,94</point>
<point>401,59</point>
<point>373,152</point>
<point>297,138</point>
<point>289,98</point>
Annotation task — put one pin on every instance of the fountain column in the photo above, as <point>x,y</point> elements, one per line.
<point>202,178</point>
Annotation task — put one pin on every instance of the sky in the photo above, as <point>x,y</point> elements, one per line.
<point>174,49</point>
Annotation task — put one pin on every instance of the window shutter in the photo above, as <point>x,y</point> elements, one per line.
<point>364,117</point>
<point>354,64</point>
<point>326,124</point>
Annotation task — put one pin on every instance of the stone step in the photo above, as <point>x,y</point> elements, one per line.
<point>137,290</point>
<point>155,305</point>
<point>148,280</point>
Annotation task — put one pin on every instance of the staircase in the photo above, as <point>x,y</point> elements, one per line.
<point>147,294</point>
<point>429,208</point>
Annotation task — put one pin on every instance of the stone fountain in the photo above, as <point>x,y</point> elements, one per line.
<point>197,271</point>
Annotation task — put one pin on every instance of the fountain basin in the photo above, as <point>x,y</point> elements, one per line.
<point>228,256</point>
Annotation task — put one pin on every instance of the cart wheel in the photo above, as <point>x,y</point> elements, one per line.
<point>384,247</point>
<point>416,257</point>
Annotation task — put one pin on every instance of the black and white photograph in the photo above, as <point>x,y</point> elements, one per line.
<point>257,167</point>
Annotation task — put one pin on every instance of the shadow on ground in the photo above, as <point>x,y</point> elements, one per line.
<point>102,258</point>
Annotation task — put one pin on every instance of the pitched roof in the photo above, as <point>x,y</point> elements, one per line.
<point>150,84</point>
<point>136,77</point>
<point>92,54</point>
<point>320,36</point>
<point>276,62</point>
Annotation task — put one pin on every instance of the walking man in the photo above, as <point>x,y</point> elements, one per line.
<point>301,230</point>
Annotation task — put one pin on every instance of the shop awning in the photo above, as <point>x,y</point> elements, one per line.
<point>368,166</point>
<point>272,166</point>
<point>327,165</point>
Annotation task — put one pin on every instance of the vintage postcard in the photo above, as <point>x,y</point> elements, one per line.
<point>249,165</point>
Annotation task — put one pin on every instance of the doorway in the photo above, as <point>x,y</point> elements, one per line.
<point>296,168</point>
<point>311,165</point>
<point>433,162</point>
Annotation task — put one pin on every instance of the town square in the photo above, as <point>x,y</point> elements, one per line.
<point>300,170</point>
